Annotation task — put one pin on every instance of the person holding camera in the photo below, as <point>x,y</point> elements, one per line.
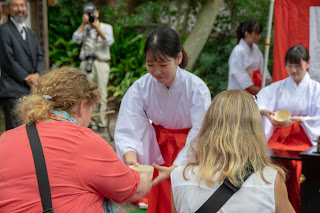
<point>96,39</point>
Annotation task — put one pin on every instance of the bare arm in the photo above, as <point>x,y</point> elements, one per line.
<point>282,202</point>
<point>96,26</point>
<point>173,207</point>
<point>85,20</point>
<point>143,188</point>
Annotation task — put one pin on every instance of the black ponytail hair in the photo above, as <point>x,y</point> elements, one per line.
<point>164,41</point>
<point>250,25</point>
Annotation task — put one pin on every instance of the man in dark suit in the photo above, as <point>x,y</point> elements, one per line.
<point>21,59</point>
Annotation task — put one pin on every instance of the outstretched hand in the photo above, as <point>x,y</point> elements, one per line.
<point>270,116</point>
<point>292,120</point>
<point>164,173</point>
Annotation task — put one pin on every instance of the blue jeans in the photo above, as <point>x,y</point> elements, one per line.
<point>108,206</point>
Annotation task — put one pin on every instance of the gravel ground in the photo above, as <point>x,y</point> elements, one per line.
<point>124,207</point>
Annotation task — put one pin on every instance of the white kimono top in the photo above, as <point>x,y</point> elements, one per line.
<point>302,100</point>
<point>243,59</point>
<point>182,106</point>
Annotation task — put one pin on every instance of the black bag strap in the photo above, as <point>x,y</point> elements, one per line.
<point>221,196</point>
<point>41,169</point>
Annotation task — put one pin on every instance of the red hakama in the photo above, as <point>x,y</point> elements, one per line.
<point>291,138</point>
<point>171,142</point>
<point>256,79</point>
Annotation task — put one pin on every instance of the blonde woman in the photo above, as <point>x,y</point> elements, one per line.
<point>231,142</point>
<point>82,168</point>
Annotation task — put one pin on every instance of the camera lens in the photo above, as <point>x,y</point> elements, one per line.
<point>88,67</point>
<point>91,18</point>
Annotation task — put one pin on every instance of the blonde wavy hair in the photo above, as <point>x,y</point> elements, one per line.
<point>231,140</point>
<point>67,86</point>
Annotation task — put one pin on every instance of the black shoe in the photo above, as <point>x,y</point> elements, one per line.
<point>100,129</point>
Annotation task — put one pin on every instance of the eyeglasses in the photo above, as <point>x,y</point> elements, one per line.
<point>254,97</point>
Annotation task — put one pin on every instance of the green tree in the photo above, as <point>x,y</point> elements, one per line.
<point>212,64</point>
<point>131,27</point>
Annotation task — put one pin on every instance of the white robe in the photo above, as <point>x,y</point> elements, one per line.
<point>302,100</point>
<point>182,106</point>
<point>243,59</point>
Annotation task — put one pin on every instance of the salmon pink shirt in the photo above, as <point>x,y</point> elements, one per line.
<point>82,170</point>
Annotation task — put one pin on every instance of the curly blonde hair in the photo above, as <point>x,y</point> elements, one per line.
<point>67,86</point>
<point>231,140</point>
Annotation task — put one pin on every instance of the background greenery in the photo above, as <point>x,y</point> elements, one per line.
<point>132,25</point>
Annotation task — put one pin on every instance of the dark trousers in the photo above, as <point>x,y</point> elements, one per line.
<point>8,105</point>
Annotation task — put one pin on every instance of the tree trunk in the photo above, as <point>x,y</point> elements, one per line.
<point>201,31</point>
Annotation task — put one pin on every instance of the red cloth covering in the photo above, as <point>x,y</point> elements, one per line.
<point>291,138</point>
<point>171,142</point>
<point>291,27</point>
<point>256,79</point>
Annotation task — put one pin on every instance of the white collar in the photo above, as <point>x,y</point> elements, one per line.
<point>246,46</point>
<point>302,83</point>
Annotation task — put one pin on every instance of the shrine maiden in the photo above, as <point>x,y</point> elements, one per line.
<point>299,94</point>
<point>246,60</point>
<point>161,113</point>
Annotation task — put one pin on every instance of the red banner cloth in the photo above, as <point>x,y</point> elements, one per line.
<point>291,27</point>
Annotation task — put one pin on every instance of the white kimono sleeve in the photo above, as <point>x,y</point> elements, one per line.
<point>134,131</point>
<point>237,73</point>
<point>266,100</point>
<point>311,124</point>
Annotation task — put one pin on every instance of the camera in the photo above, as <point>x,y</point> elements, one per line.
<point>91,17</point>
<point>90,9</point>
<point>90,58</point>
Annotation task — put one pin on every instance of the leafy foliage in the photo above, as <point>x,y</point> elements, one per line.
<point>64,19</point>
<point>212,64</point>
<point>127,57</point>
<point>127,63</point>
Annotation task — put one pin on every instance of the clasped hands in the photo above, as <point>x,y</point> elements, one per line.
<point>164,171</point>
<point>32,79</point>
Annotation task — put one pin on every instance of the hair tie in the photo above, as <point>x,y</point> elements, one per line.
<point>47,96</point>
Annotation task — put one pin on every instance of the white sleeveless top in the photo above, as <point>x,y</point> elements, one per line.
<point>254,196</point>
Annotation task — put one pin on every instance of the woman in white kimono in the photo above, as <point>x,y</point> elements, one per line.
<point>246,60</point>
<point>161,114</point>
<point>299,94</point>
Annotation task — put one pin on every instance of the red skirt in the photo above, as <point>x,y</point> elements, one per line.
<point>170,141</point>
<point>256,79</point>
<point>291,138</point>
